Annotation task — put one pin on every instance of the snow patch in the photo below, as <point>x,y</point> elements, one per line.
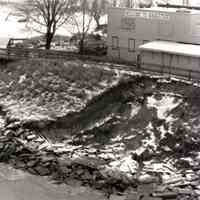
<point>134,110</point>
<point>99,123</point>
<point>163,106</point>
<point>22,78</point>
<point>151,141</point>
<point>163,131</point>
<point>126,164</point>
<point>117,139</point>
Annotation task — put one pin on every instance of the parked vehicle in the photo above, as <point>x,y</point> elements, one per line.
<point>21,43</point>
<point>93,43</point>
<point>95,47</point>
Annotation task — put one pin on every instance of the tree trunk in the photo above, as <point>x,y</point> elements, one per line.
<point>97,18</point>
<point>49,37</point>
<point>81,46</point>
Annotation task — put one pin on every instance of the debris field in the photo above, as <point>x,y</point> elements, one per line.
<point>131,135</point>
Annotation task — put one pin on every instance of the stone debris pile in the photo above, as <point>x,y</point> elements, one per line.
<point>125,178</point>
<point>135,137</point>
<point>41,89</point>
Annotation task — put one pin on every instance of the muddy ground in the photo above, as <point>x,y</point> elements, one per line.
<point>118,124</point>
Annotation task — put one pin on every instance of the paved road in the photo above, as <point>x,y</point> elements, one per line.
<point>17,185</point>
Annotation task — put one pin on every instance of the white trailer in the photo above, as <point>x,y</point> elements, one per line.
<point>129,28</point>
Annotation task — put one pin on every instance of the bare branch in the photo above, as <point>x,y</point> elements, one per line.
<point>50,14</point>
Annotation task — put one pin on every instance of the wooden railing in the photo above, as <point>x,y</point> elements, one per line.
<point>37,53</point>
<point>20,53</point>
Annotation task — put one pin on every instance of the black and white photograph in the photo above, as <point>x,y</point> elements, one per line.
<point>99,100</point>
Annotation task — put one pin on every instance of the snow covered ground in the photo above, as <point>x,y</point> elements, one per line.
<point>136,123</point>
<point>18,185</point>
<point>11,27</point>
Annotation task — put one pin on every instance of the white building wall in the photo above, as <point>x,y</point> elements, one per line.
<point>181,2</point>
<point>194,3</point>
<point>164,25</point>
<point>171,64</point>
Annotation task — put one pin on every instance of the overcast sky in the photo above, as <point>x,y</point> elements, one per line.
<point>191,2</point>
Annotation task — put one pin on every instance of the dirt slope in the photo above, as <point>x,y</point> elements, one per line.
<point>41,89</point>
<point>140,114</point>
<point>96,107</point>
<point>131,122</point>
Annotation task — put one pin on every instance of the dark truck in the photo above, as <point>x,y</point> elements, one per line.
<point>97,47</point>
<point>93,44</point>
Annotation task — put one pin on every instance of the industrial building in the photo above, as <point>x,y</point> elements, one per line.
<point>161,39</point>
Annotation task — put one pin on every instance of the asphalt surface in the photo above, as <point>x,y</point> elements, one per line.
<point>17,185</point>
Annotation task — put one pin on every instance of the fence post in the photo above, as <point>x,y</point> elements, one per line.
<point>189,76</point>
<point>119,56</point>
<point>138,62</point>
<point>8,53</point>
<point>162,62</point>
<point>161,70</point>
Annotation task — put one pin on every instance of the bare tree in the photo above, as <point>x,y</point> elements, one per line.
<point>99,8</point>
<point>47,16</point>
<point>81,20</point>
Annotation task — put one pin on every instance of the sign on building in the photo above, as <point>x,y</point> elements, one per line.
<point>128,23</point>
<point>152,15</point>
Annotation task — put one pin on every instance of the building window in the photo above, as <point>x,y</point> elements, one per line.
<point>145,41</point>
<point>131,45</point>
<point>128,24</point>
<point>115,42</point>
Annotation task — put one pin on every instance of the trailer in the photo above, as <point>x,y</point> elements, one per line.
<point>171,58</point>
<point>164,39</point>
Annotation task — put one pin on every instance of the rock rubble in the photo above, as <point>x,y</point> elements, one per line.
<point>134,138</point>
<point>26,150</point>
